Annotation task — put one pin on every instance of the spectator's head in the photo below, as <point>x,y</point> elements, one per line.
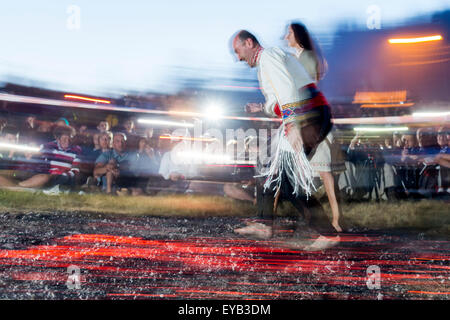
<point>64,135</point>
<point>245,46</point>
<point>149,133</point>
<point>426,137</point>
<point>119,142</point>
<point>143,144</point>
<point>30,121</point>
<point>95,141</point>
<point>3,123</point>
<point>409,140</point>
<point>83,129</point>
<point>62,122</point>
<point>10,135</point>
<point>388,143</point>
<point>104,140</point>
<point>103,126</point>
<point>45,126</point>
<point>128,125</point>
<point>442,136</point>
<point>397,140</point>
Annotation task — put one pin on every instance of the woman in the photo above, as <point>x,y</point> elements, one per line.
<point>323,161</point>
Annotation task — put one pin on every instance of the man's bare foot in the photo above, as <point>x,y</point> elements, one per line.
<point>255,229</point>
<point>322,243</point>
<point>296,244</point>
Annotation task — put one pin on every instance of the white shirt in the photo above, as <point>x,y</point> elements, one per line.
<point>168,166</point>
<point>281,76</point>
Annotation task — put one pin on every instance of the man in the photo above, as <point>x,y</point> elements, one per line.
<point>62,161</point>
<point>291,94</point>
<point>114,167</point>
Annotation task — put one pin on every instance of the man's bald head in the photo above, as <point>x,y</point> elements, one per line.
<point>245,45</point>
<point>243,35</point>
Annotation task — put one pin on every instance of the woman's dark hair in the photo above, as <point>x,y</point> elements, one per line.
<point>305,41</point>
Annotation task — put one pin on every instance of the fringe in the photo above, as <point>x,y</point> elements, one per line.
<point>295,164</point>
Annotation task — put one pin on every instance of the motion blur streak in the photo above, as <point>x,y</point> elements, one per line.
<point>416,40</point>
<point>242,268</point>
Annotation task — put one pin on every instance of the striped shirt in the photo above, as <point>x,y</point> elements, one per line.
<point>61,162</point>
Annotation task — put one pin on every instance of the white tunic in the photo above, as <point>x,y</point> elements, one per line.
<point>281,77</point>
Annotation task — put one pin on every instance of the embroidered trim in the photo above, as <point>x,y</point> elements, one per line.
<point>257,55</point>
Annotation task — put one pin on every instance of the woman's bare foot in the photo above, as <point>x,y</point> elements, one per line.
<point>336,225</point>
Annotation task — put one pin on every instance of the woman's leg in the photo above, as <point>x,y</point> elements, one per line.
<point>328,182</point>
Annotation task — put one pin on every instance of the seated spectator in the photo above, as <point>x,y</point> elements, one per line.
<point>29,127</point>
<point>114,167</point>
<point>175,170</point>
<point>407,170</point>
<point>62,160</point>
<point>128,128</point>
<point>9,136</point>
<point>444,172</point>
<point>102,143</point>
<point>146,164</point>
<point>368,163</point>
<point>428,149</point>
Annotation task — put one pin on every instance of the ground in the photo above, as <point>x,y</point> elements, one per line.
<point>155,257</point>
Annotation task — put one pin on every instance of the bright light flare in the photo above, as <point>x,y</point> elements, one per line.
<point>70,96</point>
<point>187,138</point>
<point>416,40</point>
<point>166,123</point>
<point>18,147</point>
<point>375,129</point>
<point>213,111</point>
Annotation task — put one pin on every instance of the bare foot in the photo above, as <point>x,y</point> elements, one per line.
<point>322,243</point>
<point>296,244</point>
<point>256,229</point>
<point>336,226</point>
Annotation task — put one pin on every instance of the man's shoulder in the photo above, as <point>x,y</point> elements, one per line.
<point>273,52</point>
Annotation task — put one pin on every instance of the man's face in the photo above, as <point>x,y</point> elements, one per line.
<point>408,141</point>
<point>119,143</point>
<point>103,126</point>
<point>64,142</point>
<point>129,125</point>
<point>441,139</point>
<point>425,138</point>
<point>244,50</point>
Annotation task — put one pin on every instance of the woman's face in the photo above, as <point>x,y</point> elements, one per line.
<point>142,144</point>
<point>290,38</point>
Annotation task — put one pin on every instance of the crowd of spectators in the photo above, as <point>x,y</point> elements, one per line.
<point>56,157</point>
<point>407,165</point>
<point>124,159</point>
